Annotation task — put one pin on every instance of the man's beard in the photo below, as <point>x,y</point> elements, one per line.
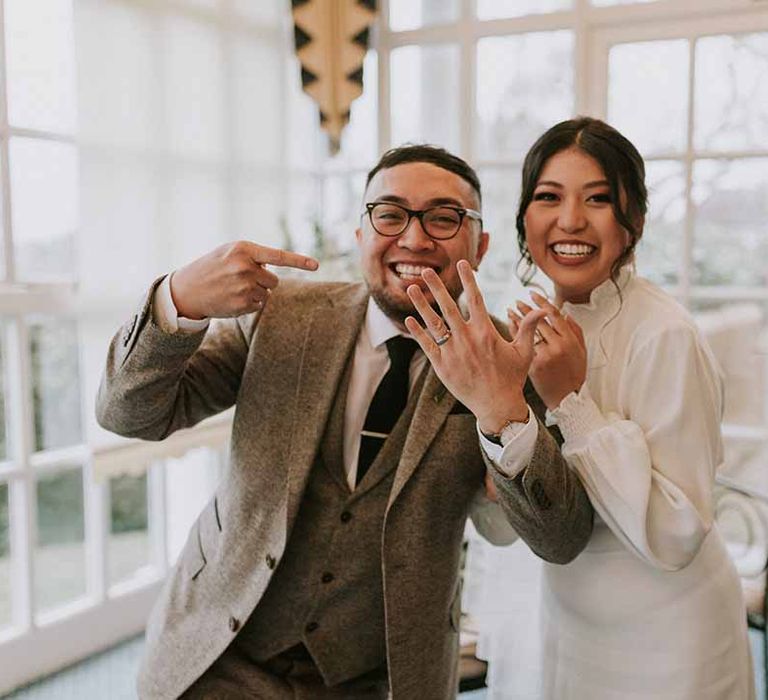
<point>399,310</point>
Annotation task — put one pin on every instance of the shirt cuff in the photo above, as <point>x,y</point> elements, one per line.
<point>165,314</point>
<point>577,415</point>
<point>518,441</point>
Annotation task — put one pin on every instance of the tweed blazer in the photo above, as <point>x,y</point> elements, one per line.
<point>281,369</point>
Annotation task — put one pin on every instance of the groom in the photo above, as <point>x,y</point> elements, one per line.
<point>326,565</point>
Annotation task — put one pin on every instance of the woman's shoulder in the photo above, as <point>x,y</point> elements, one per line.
<point>647,305</point>
<point>652,317</point>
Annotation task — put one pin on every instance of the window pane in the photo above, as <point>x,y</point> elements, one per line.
<point>334,241</point>
<point>425,95</point>
<point>731,98</point>
<point>45,212</point>
<point>55,384</point>
<point>501,192</point>
<point>129,526</point>
<point>660,250</point>
<point>519,98</point>
<point>731,210</point>
<point>650,73</point>
<point>60,551</point>
<point>40,64</point>
<point>734,331</point>
<point>194,83</point>
<point>255,80</point>
<point>5,559</point>
<point>265,12</point>
<point>412,14</point>
<point>300,223</point>
<point>498,9</point>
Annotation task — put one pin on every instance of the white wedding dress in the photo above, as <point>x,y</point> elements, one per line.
<point>652,608</point>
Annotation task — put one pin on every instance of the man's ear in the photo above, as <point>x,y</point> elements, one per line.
<point>359,235</point>
<point>483,242</point>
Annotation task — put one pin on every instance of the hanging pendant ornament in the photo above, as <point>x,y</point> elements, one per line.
<point>331,39</point>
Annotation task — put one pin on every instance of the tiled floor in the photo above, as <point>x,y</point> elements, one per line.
<point>110,676</point>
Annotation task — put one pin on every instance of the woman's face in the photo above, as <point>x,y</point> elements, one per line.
<point>570,228</point>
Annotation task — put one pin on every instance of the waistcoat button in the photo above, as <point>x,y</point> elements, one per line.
<point>327,577</point>
<point>311,627</point>
<point>346,516</point>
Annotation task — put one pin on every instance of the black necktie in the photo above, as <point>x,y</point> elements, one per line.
<point>388,402</point>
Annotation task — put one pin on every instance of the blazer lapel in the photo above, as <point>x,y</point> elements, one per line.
<point>434,404</point>
<point>331,334</point>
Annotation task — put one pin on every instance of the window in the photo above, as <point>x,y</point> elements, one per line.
<point>686,83</point>
<point>122,156</point>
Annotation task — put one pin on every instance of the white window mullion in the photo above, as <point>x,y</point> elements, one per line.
<point>581,60</point>
<point>686,260</point>
<point>23,503</point>
<point>97,507</point>
<point>467,81</point>
<point>5,170</point>
<point>384,51</point>
<point>157,518</point>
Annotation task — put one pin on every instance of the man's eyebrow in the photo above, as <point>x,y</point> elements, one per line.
<point>587,186</point>
<point>434,202</point>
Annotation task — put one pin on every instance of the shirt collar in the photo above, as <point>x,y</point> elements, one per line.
<point>601,295</point>
<point>380,327</point>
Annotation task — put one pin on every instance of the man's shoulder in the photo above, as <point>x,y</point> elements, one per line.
<point>296,290</point>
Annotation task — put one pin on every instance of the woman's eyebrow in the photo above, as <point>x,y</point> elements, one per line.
<point>588,185</point>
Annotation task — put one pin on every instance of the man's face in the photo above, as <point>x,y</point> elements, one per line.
<point>391,264</point>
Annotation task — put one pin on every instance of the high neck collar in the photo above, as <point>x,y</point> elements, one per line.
<point>603,293</point>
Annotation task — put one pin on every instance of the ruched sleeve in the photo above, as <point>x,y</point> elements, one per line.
<point>649,467</point>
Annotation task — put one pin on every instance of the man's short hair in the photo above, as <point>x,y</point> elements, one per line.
<point>425,153</point>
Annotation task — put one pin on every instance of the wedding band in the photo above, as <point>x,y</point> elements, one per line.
<point>442,340</point>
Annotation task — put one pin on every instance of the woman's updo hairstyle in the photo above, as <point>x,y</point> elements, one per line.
<point>623,167</point>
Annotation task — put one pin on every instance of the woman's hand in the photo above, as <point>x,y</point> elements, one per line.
<point>479,367</point>
<point>559,364</point>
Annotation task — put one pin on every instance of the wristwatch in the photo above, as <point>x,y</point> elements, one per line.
<point>510,429</point>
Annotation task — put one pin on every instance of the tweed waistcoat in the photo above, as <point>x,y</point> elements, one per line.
<point>329,580</point>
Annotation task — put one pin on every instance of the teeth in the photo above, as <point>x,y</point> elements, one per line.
<point>573,249</point>
<point>410,270</point>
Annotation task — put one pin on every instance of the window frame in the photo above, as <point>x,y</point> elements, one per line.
<point>107,613</point>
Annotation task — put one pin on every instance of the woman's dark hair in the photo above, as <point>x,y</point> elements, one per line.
<point>623,167</point>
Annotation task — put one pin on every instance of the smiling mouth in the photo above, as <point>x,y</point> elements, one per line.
<point>411,272</point>
<point>573,251</point>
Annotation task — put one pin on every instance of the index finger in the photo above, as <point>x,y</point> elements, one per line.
<point>262,255</point>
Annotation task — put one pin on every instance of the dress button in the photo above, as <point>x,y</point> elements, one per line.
<point>271,561</point>
<point>327,577</point>
<point>311,627</point>
<point>234,624</point>
<point>346,516</point>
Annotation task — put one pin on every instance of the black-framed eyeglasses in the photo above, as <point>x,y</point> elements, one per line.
<point>441,222</point>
